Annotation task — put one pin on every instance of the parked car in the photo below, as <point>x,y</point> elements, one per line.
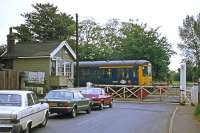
<point>21,111</point>
<point>67,101</point>
<point>98,96</point>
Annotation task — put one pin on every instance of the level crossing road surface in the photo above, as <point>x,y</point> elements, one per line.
<point>122,118</point>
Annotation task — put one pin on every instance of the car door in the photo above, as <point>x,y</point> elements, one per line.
<point>38,107</point>
<point>106,98</point>
<point>83,101</point>
<point>35,109</point>
<point>77,100</point>
<point>32,110</point>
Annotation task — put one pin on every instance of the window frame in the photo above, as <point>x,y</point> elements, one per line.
<point>62,68</point>
<point>29,94</point>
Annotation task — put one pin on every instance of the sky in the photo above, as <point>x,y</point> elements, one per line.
<point>167,14</point>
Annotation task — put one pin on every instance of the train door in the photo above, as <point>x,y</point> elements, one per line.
<point>134,78</point>
<point>115,79</point>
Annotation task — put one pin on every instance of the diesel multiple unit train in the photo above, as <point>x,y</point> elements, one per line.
<point>121,72</point>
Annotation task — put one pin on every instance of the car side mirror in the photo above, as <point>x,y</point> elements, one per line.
<point>41,101</point>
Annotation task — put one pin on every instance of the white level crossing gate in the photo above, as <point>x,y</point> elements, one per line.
<point>154,93</point>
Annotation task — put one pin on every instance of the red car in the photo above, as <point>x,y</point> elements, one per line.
<point>98,96</point>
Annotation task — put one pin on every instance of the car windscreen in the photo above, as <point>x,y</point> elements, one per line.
<point>91,91</point>
<point>59,95</point>
<point>10,100</point>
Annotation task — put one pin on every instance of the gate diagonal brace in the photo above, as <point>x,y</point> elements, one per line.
<point>116,92</point>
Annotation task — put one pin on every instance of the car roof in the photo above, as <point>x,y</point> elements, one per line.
<point>68,89</point>
<point>97,88</point>
<point>20,92</point>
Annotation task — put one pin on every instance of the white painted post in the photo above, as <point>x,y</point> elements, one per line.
<point>183,83</point>
<point>194,95</point>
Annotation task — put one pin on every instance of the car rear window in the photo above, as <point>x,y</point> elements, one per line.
<point>91,91</point>
<point>10,100</point>
<point>59,95</point>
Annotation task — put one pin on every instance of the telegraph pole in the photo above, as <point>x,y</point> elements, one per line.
<point>77,53</point>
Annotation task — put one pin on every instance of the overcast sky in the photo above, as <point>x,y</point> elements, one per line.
<point>168,14</point>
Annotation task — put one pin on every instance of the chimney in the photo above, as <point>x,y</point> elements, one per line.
<point>10,42</point>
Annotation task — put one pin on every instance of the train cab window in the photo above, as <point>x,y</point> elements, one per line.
<point>145,70</point>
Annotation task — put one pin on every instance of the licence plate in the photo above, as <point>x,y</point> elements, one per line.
<point>52,104</point>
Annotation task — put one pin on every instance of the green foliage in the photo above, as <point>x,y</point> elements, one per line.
<point>2,49</point>
<point>125,41</point>
<point>197,112</point>
<point>173,76</point>
<point>45,23</point>
<point>141,43</point>
<point>98,42</point>
<point>190,35</point>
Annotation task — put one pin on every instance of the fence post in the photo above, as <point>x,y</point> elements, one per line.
<point>141,94</point>
<point>124,95</point>
<point>160,90</point>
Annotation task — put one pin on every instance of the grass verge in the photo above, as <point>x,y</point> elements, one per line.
<point>197,112</point>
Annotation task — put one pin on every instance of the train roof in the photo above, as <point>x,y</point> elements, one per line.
<point>112,63</point>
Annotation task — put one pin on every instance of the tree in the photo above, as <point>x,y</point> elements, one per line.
<point>142,43</point>
<point>125,41</point>
<point>190,35</point>
<point>45,23</point>
<point>2,49</point>
<point>90,40</point>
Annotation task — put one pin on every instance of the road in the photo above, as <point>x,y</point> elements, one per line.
<point>122,118</point>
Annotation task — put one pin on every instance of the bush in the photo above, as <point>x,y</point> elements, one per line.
<point>197,112</point>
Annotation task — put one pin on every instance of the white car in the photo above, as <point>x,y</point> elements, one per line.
<point>21,111</point>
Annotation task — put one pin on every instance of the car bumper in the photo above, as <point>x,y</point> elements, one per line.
<point>10,128</point>
<point>60,110</point>
<point>96,103</point>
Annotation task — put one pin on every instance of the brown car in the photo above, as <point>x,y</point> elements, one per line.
<point>67,101</point>
<point>98,97</point>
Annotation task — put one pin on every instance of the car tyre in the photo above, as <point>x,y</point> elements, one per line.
<point>88,111</point>
<point>28,128</point>
<point>101,106</point>
<point>44,122</point>
<point>73,112</point>
<point>111,105</point>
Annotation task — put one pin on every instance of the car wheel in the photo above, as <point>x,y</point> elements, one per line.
<point>28,128</point>
<point>44,122</point>
<point>111,105</point>
<point>88,110</point>
<point>101,106</point>
<point>73,113</point>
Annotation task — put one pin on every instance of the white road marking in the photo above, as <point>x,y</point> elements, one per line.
<point>172,121</point>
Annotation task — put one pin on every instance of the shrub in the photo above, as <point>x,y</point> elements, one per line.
<point>197,112</point>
